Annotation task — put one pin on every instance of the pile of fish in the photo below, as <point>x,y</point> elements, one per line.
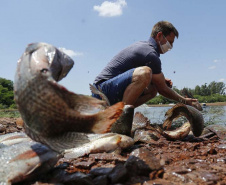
<point>60,123</point>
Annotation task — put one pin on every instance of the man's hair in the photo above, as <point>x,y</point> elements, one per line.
<point>165,27</point>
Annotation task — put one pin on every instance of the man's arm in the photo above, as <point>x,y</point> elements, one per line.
<point>159,81</point>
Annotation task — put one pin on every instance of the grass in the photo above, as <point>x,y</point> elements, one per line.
<point>9,113</point>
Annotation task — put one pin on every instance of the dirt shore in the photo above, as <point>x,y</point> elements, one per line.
<point>191,161</point>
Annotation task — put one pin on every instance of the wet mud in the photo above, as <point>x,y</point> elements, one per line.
<point>190,161</point>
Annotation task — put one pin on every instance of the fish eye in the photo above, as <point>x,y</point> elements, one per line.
<point>44,70</point>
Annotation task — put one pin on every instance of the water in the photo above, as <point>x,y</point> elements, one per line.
<point>211,114</point>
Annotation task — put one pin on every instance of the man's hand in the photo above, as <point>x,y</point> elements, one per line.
<point>169,83</point>
<point>190,101</point>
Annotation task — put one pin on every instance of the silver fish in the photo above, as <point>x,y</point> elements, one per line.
<point>48,109</point>
<point>195,118</point>
<point>13,138</point>
<point>25,160</point>
<point>100,143</point>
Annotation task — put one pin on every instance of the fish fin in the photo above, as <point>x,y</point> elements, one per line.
<point>159,130</point>
<point>140,118</point>
<point>64,141</point>
<point>98,91</point>
<point>79,102</point>
<point>107,117</point>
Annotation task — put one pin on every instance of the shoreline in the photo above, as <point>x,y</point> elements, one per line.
<point>207,104</point>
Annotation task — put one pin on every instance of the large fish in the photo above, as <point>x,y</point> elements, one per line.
<point>52,113</point>
<point>25,160</point>
<point>100,143</point>
<point>194,117</point>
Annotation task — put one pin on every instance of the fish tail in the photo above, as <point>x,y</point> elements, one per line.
<point>159,130</point>
<point>167,124</point>
<point>107,117</point>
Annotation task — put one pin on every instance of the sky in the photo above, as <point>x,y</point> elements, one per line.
<point>92,32</point>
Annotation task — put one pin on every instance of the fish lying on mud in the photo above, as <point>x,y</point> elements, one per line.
<point>25,160</point>
<point>52,113</point>
<point>124,124</point>
<point>194,117</point>
<point>100,143</point>
<point>178,134</point>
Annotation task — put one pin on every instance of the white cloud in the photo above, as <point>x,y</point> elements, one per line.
<point>215,61</point>
<point>70,53</point>
<point>222,80</point>
<point>110,9</point>
<point>212,67</point>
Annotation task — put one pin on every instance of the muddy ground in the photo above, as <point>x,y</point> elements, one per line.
<point>191,161</point>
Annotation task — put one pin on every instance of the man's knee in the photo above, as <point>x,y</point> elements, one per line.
<point>143,74</point>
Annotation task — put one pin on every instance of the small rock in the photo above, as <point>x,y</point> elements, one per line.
<point>222,146</point>
<point>107,157</point>
<point>101,180</point>
<point>118,174</point>
<point>158,182</point>
<point>100,171</point>
<point>2,128</point>
<point>212,151</point>
<point>85,164</point>
<point>142,162</point>
<point>64,177</point>
<point>207,176</point>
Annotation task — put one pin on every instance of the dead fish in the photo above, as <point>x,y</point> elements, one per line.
<point>100,143</point>
<point>194,117</point>
<point>124,124</point>
<point>187,94</point>
<point>177,134</point>
<point>25,160</point>
<point>48,109</point>
<point>142,131</point>
<point>13,138</point>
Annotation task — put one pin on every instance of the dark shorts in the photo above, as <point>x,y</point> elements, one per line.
<point>115,87</point>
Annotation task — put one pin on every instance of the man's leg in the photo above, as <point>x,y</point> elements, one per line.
<point>141,83</point>
<point>149,93</point>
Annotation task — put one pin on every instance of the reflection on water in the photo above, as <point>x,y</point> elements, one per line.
<point>211,114</point>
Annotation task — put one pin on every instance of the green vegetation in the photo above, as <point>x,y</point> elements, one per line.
<point>6,94</point>
<point>9,113</point>
<point>214,92</point>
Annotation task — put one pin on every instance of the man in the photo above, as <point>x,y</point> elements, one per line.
<point>134,75</point>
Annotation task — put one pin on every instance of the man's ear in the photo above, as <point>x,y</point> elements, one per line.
<point>159,36</point>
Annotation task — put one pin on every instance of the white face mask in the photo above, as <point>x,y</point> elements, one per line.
<point>165,47</point>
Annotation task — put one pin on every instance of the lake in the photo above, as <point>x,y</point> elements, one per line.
<point>211,114</point>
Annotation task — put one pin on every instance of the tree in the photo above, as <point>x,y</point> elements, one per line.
<point>197,90</point>
<point>6,93</point>
<point>6,83</point>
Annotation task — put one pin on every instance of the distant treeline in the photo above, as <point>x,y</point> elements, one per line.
<point>207,93</point>
<point>6,94</point>
<point>214,92</point>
